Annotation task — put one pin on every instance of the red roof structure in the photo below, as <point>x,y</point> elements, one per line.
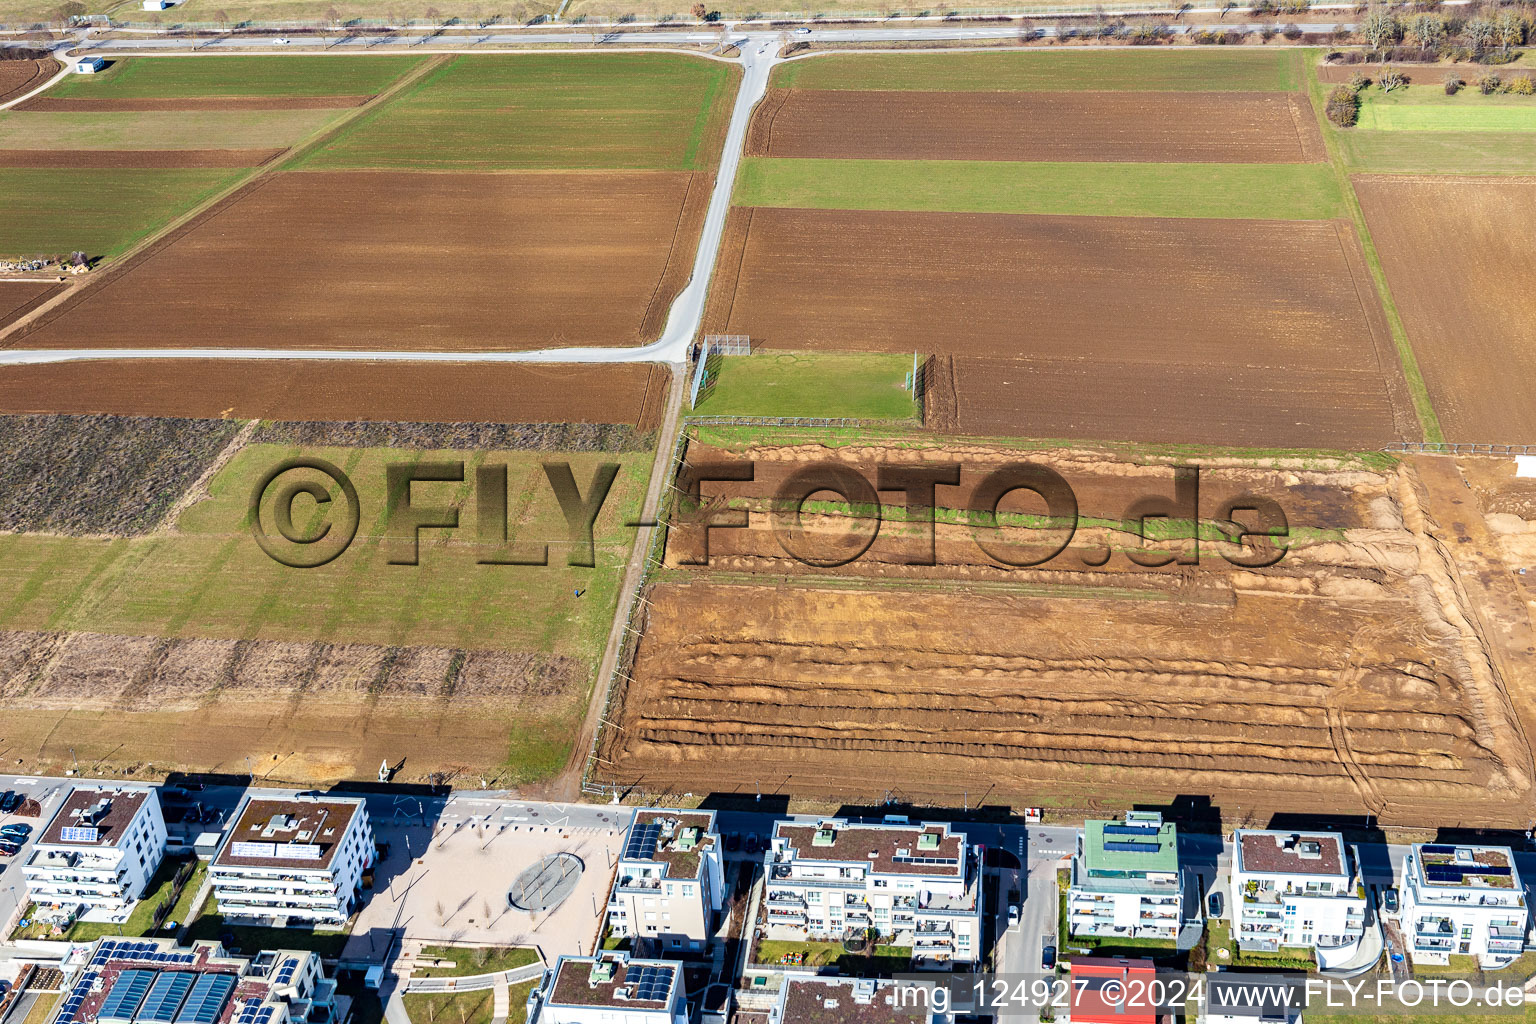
<point>1113,990</point>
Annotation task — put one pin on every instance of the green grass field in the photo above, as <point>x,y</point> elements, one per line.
<point>159,129</point>
<point>1152,70</point>
<point>469,961</point>
<point>1432,117</point>
<point>547,112</point>
<point>211,579</point>
<point>1280,191</point>
<point>102,212</point>
<point>180,77</point>
<point>813,384</point>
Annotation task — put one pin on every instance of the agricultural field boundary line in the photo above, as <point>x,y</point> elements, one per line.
<point>125,260</point>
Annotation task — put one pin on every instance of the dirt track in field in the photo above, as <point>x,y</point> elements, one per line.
<point>18,298</point>
<point>1105,310</point>
<point>125,104</point>
<point>1453,250</point>
<point>1364,673</point>
<point>1037,126</point>
<point>379,260</point>
<point>317,390</point>
<point>20,76</point>
<point>109,158</point>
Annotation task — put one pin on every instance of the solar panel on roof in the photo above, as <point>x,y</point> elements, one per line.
<point>650,982</point>
<point>1129,830</point>
<point>206,1000</point>
<point>126,995</point>
<point>1129,847</point>
<point>78,834</point>
<point>1448,850</point>
<point>642,842</point>
<point>166,996</point>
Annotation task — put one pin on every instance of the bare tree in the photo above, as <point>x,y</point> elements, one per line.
<point>1380,28</point>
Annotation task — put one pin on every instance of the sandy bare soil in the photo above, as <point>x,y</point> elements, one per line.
<point>18,298</point>
<point>1378,668</point>
<point>327,391</point>
<point>376,260</point>
<point>1452,249</point>
<point>1175,127</point>
<point>1120,321</point>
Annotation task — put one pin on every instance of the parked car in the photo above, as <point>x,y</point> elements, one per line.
<point>733,841</point>
<point>802,31</point>
<point>1048,958</point>
<point>1013,915</point>
<point>17,829</point>
<point>9,849</point>
<point>1389,900</point>
<point>281,42</point>
<point>1213,905</point>
<point>10,801</point>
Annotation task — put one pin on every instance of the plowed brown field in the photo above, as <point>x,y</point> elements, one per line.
<point>97,158</point>
<point>1105,309</point>
<point>1186,127</point>
<point>1453,249</point>
<point>18,298</point>
<point>380,260</point>
<point>20,76</point>
<point>328,390</point>
<point>1358,675</point>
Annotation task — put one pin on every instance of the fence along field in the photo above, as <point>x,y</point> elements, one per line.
<point>1346,679</point>
<point>215,652</point>
<point>1450,247</point>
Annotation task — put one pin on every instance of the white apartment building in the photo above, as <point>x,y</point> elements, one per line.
<point>1125,879</point>
<point>97,854</point>
<point>670,885</point>
<point>916,885</point>
<point>296,860</point>
<point>1296,889</point>
<point>611,988</point>
<point>1270,998</point>
<point>1466,900</point>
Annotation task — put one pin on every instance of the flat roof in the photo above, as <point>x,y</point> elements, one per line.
<point>846,1001</point>
<point>1291,853</point>
<point>887,849</point>
<point>299,834</point>
<point>649,839</point>
<point>74,824</point>
<point>639,984</point>
<point>1462,866</point>
<point>1133,846</point>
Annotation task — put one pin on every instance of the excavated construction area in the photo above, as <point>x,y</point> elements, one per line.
<point>1377,668</point>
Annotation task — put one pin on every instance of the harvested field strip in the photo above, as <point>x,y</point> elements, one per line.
<point>100,474</point>
<point>525,393</point>
<point>1447,245</point>
<point>101,159</point>
<point>1186,127</point>
<point>93,104</point>
<point>92,671</point>
<point>18,298</point>
<point>406,265</point>
<point>159,129</point>
<point>1052,70</point>
<point>548,112</point>
<point>1248,191</point>
<point>18,77</point>
<point>1160,400</point>
<point>1089,287</point>
<point>183,77</point>
<point>100,211</point>
<point>1433,118</point>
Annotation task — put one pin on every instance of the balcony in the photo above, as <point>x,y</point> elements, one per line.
<point>1505,945</point>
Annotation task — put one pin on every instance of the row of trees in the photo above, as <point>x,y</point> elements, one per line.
<point>1480,33</point>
